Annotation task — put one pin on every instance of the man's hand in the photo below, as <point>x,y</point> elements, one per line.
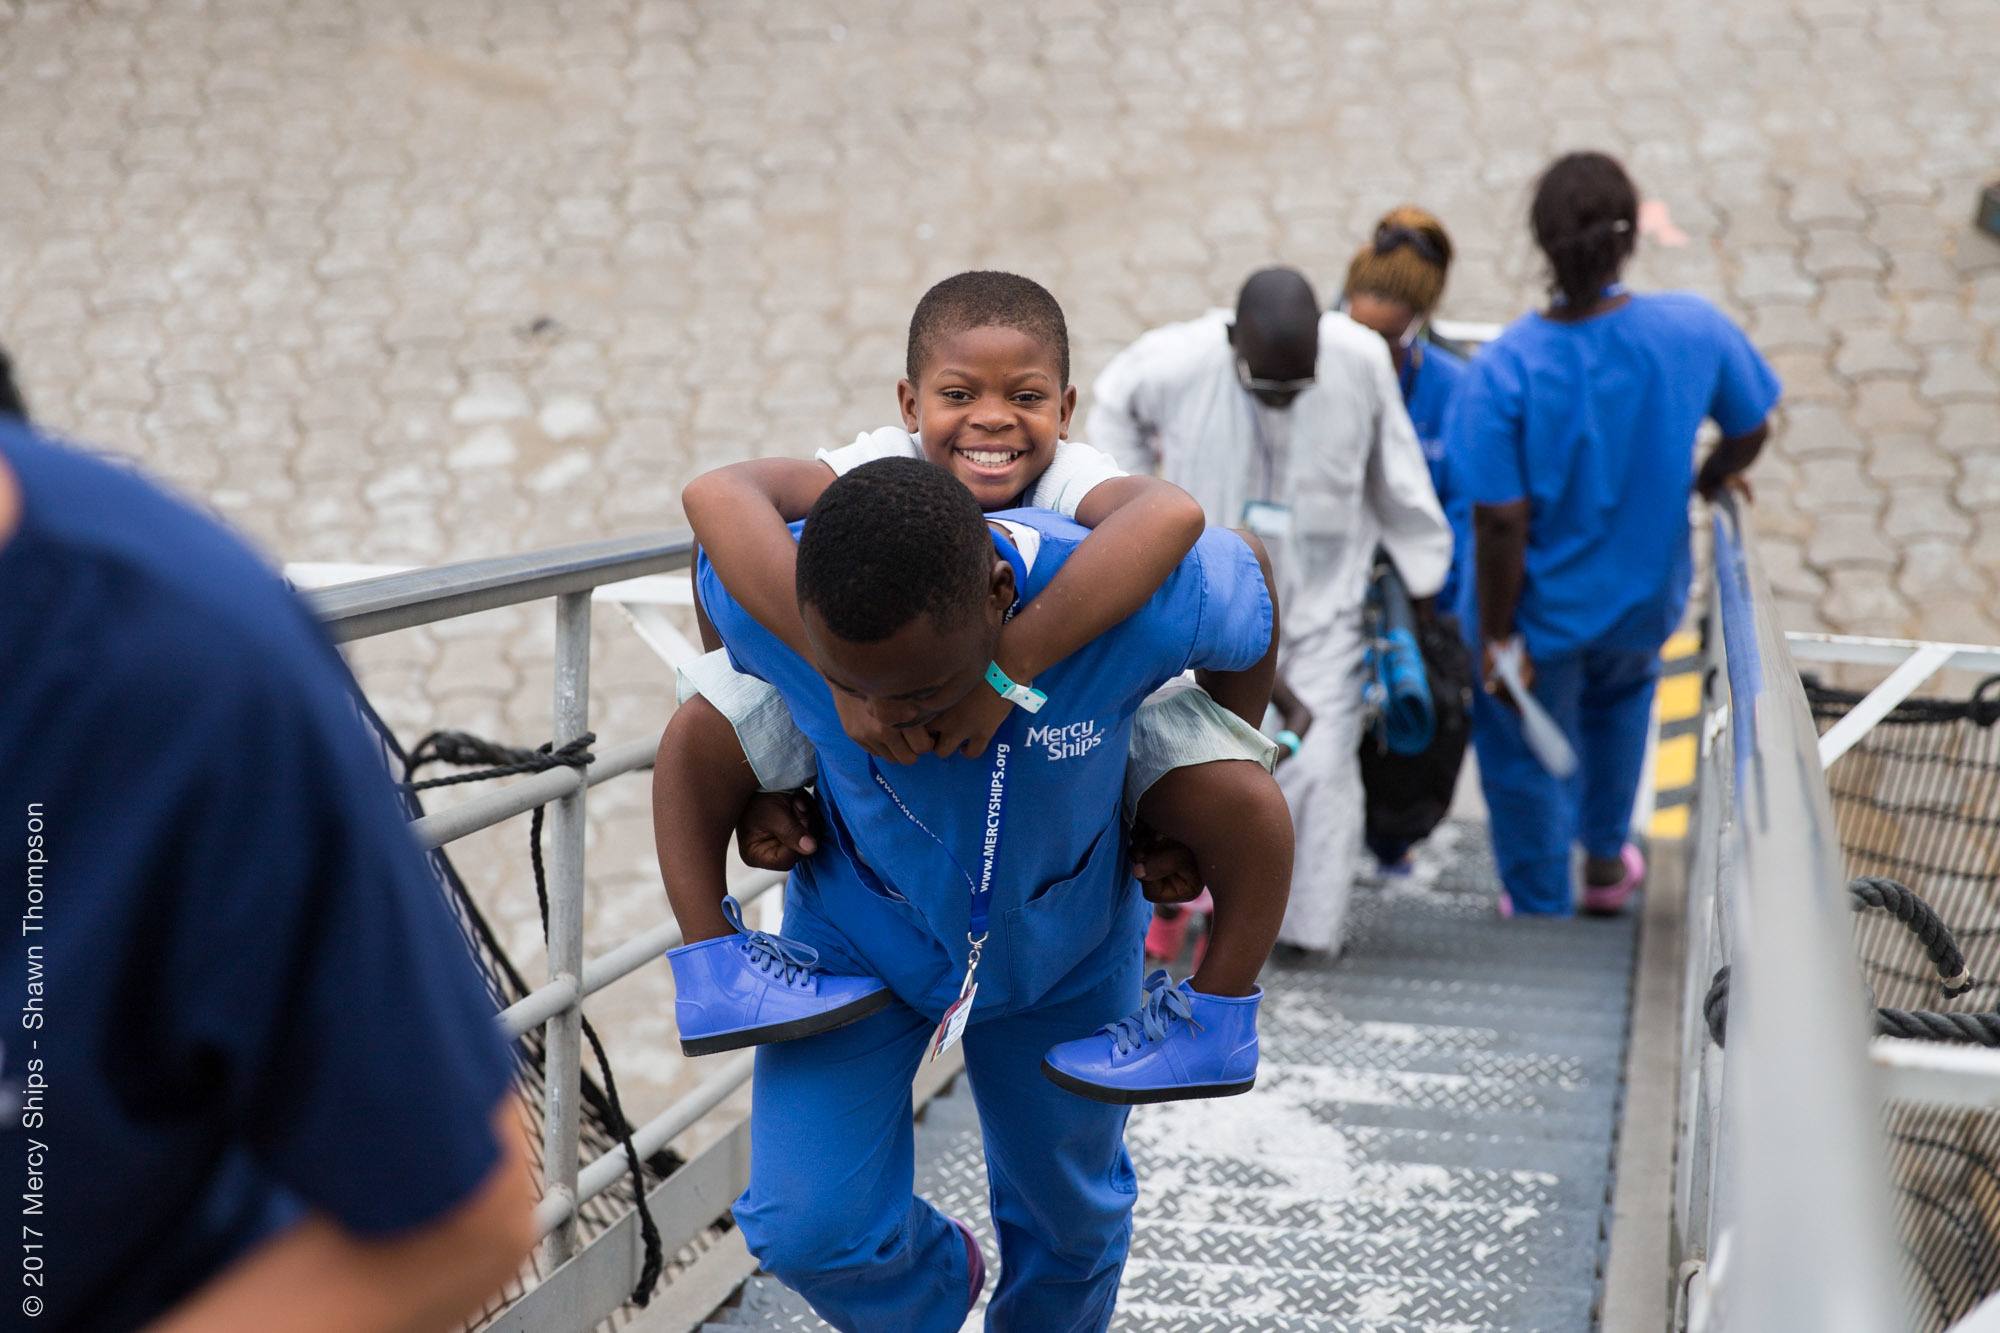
<point>1490,674</point>
<point>899,745</point>
<point>967,726</point>
<point>778,830</point>
<point>1166,870</point>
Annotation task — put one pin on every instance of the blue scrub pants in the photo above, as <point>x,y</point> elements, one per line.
<point>831,1211</point>
<point>1603,700</point>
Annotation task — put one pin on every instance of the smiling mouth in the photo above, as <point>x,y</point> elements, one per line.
<point>991,460</point>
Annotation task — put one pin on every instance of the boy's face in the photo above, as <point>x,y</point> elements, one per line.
<point>990,405</point>
<point>908,679</point>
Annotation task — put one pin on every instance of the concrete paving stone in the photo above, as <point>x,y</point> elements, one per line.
<point>1936,571</point>
<point>1809,376</point>
<point>1844,538</point>
<point>1956,374</point>
<point>1847,302</point>
<point>1858,596</point>
<point>1866,352</point>
<point>1837,252</point>
<point>1817,201</point>
<point>1786,326</point>
<point>1968,429</point>
<point>1836,481</point>
<point>1918,511</point>
<point>1908,458</point>
<point>1938,321</point>
<point>1890,406</point>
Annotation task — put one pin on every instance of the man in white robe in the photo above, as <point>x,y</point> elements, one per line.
<point>1289,422</point>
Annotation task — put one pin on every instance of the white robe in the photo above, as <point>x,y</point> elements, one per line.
<point>1351,476</point>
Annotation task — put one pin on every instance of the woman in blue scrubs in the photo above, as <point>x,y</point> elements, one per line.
<point>1573,437</point>
<point>1394,283</point>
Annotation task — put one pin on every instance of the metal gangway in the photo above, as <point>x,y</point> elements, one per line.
<point>1462,1124</point>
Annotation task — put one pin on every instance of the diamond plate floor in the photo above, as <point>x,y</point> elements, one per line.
<point>1428,1147</point>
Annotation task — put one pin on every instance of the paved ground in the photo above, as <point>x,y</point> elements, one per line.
<point>441,278</point>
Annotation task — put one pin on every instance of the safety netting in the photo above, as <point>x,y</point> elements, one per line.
<point>602,1120</point>
<point>1917,800</point>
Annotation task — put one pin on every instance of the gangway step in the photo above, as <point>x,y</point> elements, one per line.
<point>1428,1148</point>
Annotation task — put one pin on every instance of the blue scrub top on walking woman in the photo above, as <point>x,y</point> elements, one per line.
<point>830,1209</point>
<point>1592,422</point>
<point>1430,380</point>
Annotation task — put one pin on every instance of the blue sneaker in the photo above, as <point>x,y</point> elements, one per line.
<point>1181,1044</point>
<point>751,988</point>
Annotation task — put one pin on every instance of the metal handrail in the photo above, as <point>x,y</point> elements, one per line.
<point>1784,1124</point>
<point>415,597</point>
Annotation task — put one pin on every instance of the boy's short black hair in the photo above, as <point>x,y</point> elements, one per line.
<point>985,299</point>
<point>889,541</point>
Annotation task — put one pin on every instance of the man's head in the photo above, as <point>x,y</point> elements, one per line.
<point>901,590</point>
<point>987,387</point>
<point>1276,335</point>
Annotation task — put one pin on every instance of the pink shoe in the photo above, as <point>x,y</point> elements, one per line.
<point>975,1262</point>
<point>1505,906</point>
<point>1167,935</point>
<point>1610,899</point>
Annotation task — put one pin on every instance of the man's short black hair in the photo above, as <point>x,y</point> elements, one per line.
<point>889,541</point>
<point>986,299</point>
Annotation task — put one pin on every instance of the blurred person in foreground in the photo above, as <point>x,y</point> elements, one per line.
<point>255,1081</point>
<point>1289,422</point>
<point>1574,439</point>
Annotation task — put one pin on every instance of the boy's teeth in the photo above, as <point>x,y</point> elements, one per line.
<point>988,457</point>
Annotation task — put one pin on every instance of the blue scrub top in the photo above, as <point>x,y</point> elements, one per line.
<point>243,994</point>
<point>1594,424</point>
<point>886,899</point>
<point>1430,380</point>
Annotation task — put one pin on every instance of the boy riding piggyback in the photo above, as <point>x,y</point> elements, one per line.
<point>987,397</point>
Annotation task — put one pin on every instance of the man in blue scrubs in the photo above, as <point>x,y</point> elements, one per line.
<point>903,588</point>
<point>1574,436</point>
<point>250,1075</point>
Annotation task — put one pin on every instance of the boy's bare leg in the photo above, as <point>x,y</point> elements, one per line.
<point>1231,816</point>
<point>701,784</point>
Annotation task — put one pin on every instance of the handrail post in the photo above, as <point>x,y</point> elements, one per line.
<point>562,1075</point>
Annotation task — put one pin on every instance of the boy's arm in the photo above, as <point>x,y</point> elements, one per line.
<point>1142,529</point>
<point>1247,693</point>
<point>739,515</point>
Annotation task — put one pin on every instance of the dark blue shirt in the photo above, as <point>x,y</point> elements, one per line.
<point>889,895</point>
<point>1593,423</point>
<point>234,991</point>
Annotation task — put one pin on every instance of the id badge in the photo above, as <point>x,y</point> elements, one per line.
<point>952,1026</point>
<point>1272,522</point>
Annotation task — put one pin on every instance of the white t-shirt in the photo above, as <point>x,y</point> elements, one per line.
<point>1077,468</point>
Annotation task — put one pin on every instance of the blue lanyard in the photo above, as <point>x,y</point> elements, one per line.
<point>980,889</point>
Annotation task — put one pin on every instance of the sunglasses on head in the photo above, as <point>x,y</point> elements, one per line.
<point>1255,385</point>
<point>1390,239</point>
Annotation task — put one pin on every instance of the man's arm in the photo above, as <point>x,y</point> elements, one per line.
<point>739,515</point>
<point>317,1276</point>
<point>1118,423</point>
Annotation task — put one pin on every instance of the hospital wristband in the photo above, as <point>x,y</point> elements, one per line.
<point>1021,696</point>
